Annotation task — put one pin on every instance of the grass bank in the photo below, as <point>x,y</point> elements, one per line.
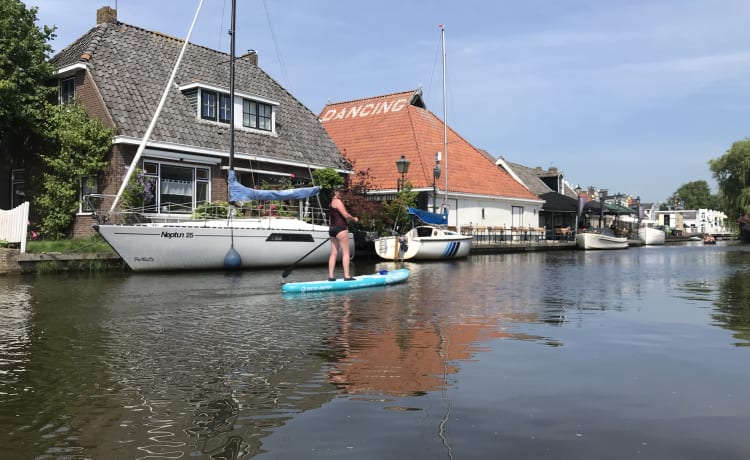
<point>69,246</point>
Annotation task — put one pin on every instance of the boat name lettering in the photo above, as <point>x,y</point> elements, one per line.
<point>143,259</point>
<point>365,110</point>
<point>170,235</point>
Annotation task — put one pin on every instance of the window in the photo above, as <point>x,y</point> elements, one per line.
<point>517,216</point>
<point>215,104</point>
<point>180,188</point>
<point>88,186</point>
<point>67,90</point>
<point>225,108</point>
<point>208,105</point>
<point>17,188</point>
<point>256,115</point>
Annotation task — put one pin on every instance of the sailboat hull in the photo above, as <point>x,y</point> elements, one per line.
<point>260,243</point>
<point>425,243</point>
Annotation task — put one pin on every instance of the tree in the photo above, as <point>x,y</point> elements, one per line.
<point>694,195</point>
<point>24,69</point>
<point>395,212</point>
<point>732,172</point>
<point>79,145</point>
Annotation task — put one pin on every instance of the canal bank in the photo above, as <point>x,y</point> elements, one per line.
<point>14,262</point>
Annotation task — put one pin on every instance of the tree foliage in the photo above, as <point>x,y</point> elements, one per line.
<point>395,213</point>
<point>79,145</point>
<point>24,69</point>
<point>732,172</point>
<point>694,195</point>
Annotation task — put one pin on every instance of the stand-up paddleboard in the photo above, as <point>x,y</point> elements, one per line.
<point>380,278</point>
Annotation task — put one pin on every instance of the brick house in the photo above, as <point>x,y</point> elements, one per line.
<point>119,71</point>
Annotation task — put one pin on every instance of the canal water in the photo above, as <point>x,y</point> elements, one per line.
<point>640,353</point>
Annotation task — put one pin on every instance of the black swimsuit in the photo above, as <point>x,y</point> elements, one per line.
<point>338,223</point>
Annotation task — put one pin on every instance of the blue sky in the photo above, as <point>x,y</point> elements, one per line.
<point>633,96</point>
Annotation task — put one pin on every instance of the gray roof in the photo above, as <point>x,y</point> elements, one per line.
<point>530,178</point>
<point>131,66</point>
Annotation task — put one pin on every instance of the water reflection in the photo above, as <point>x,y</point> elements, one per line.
<point>212,365</point>
<point>732,308</point>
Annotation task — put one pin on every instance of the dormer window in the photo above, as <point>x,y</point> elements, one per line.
<point>256,115</point>
<point>212,104</point>
<point>67,90</point>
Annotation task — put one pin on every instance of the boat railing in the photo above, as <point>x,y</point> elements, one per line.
<point>167,212</point>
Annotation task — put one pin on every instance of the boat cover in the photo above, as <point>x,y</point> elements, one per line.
<point>430,218</point>
<point>238,192</point>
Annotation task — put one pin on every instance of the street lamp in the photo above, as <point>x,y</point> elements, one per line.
<point>403,167</point>
<point>435,177</point>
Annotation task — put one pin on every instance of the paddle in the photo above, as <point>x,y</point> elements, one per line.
<point>291,267</point>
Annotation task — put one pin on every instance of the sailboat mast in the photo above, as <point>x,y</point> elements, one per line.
<point>445,118</point>
<point>231,85</point>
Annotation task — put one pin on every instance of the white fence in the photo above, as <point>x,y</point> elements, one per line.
<point>14,225</point>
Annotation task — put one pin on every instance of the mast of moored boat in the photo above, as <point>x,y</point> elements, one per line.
<point>445,119</point>
<point>232,259</point>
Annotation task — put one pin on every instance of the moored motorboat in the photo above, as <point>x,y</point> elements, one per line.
<point>651,236</point>
<point>600,240</point>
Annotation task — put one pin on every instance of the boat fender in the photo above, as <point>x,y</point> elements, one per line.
<point>383,272</point>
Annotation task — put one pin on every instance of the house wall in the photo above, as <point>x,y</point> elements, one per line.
<point>478,212</point>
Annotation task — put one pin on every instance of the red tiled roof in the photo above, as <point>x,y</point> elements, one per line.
<point>374,133</point>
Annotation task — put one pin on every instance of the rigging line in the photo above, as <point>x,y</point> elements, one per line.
<point>221,28</point>
<point>150,129</point>
<point>276,47</point>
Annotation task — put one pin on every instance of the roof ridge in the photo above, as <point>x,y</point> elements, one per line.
<point>371,98</point>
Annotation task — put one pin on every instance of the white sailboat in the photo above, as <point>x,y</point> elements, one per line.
<point>234,242</point>
<point>432,241</point>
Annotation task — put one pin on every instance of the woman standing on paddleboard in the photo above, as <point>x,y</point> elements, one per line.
<point>339,233</point>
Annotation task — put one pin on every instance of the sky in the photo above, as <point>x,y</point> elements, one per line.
<point>632,96</point>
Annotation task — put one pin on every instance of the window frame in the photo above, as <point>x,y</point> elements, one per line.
<point>209,105</point>
<point>201,181</point>
<point>254,119</point>
<point>67,90</point>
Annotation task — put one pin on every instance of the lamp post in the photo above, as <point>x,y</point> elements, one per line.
<point>435,177</point>
<point>403,167</point>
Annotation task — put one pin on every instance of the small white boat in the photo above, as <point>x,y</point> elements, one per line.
<point>604,240</point>
<point>651,236</point>
<point>431,241</point>
<point>425,242</point>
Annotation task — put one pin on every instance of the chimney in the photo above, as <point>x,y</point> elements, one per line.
<point>251,56</point>
<point>106,14</point>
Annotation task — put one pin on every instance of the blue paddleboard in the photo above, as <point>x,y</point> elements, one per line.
<point>380,278</point>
